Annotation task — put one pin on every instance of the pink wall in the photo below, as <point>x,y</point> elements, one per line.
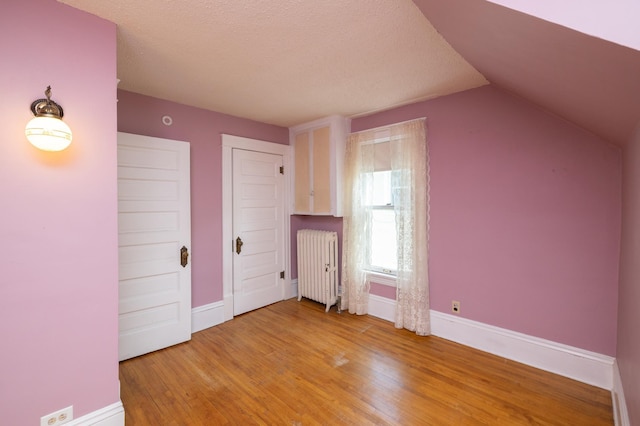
<point>59,287</point>
<point>628,353</point>
<point>143,115</point>
<point>525,217</point>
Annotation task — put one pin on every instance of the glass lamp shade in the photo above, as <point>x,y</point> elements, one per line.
<point>48,133</point>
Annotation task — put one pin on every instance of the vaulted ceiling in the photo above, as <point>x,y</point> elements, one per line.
<point>584,79</point>
<point>285,62</point>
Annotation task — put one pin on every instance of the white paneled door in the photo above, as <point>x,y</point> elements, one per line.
<point>258,230</point>
<point>154,239</point>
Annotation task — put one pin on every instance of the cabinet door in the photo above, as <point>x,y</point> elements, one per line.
<point>318,162</point>
<point>321,186</point>
<point>302,184</point>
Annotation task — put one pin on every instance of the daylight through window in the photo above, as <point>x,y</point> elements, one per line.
<point>384,252</point>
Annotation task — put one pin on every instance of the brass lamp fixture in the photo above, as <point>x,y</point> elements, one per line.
<point>46,130</point>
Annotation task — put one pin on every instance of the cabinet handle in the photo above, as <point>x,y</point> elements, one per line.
<point>239,244</point>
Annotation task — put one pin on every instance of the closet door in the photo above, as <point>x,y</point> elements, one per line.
<point>154,235</point>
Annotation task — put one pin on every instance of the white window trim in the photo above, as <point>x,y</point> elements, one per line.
<point>382,279</point>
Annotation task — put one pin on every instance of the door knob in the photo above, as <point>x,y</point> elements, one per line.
<point>239,244</point>
<point>184,256</point>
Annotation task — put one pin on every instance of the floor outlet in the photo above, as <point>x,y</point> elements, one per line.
<point>57,418</point>
<point>455,306</point>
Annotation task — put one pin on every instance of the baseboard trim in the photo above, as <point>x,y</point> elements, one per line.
<point>578,364</point>
<point>228,307</point>
<point>205,316</point>
<point>575,363</point>
<point>620,412</point>
<point>381,307</point>
<point>112,415</point>
<point>293,289</point>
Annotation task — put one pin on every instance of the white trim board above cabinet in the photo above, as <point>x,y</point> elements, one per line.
<point>318,154</point>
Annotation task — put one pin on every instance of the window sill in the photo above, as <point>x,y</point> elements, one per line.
<point>382,279</point>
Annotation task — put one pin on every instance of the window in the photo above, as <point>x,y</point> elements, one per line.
<point>386,203</point>
<point>384,252</point>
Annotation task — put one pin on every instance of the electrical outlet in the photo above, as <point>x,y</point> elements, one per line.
<point>455,306</point>
<point>57,418</point>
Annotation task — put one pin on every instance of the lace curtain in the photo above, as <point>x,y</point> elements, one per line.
<point>408,157</point>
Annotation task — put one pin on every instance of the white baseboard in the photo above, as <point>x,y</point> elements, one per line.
<point>112,415</point>
<point>578,364</point>
<point>620,412</point>
<point>381,307</point>
<point>293,290</point>
<point>228,307</point>
<point>206,316</point>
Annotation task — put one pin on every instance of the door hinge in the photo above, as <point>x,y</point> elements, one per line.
<point>281,170</point>
<point>282,275</point>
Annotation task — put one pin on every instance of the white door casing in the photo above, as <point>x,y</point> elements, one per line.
<point>229,144</point>
<point>154,223</point>
<point>258,227</point>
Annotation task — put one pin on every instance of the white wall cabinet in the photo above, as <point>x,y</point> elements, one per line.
<point>318,153</point>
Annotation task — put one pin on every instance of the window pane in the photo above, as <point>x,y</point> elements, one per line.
<point>384,253</point>
<point>382,188</point>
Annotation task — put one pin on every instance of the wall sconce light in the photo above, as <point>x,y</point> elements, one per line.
<point>46,130</point>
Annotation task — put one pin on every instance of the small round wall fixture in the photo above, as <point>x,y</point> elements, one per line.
<point>167,120</point>
<point>47,131</point>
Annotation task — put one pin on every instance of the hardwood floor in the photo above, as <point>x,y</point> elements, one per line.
<point>293,364</point>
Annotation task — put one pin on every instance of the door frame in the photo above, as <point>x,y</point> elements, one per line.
<point>229,143</point>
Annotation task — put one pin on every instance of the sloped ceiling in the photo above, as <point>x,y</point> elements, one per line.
<point>285,62</point>
<point>589,81</point>
<point>616,21</point>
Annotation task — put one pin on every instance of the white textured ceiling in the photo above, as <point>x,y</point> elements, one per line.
<point>282,62</point>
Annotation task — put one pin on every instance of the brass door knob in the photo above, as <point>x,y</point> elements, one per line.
<point>184,256</point>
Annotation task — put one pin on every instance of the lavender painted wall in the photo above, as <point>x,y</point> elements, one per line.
<point>58,292</point>
<point>142,115</point>
<point>525,217</point>
<point>628,352</point>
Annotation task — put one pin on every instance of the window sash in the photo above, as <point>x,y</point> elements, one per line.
<point>384,252</point>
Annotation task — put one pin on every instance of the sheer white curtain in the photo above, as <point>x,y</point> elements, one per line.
<point>356,222</point>
<point>410,187</point>
<point>409,181</point>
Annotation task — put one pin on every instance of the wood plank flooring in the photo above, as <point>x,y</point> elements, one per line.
<point>293,364</point>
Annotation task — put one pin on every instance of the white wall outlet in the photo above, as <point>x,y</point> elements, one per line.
<point>57,418</point>
<point>455,306</point>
